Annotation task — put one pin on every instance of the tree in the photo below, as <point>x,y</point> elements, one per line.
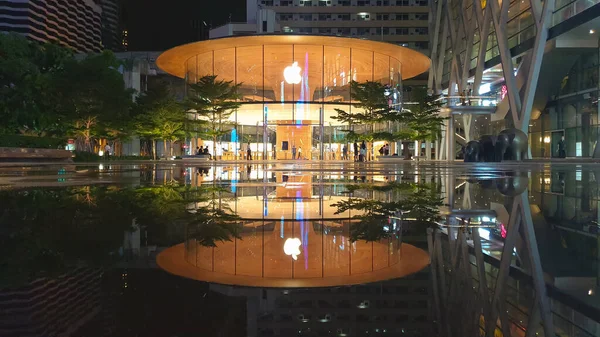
<point>27,102</point>
<point>373,107</point>
<point>214,101</point>
<point>92,96</point>
<point>422,119</point>
<point>159,116</point>
<point>418,201</point>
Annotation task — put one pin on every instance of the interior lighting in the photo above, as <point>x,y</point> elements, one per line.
<point>592,31</point>
<point>291,74</point>
<point>291,247</point>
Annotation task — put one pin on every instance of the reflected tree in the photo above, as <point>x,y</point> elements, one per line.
<point>417,204</point>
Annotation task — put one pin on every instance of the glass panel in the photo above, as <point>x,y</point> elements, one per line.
<point>381,258</point>
<point>362,65</point>
<point>191,73</point>
<point>337,74</point>
<point>277,59</point>
<point>225,64</point>
<point>224,257</point>
<point>310,61</point>
<point>249,66</point>
<point>382,69</point>
<point>205,64</point>
<point>277,263</point>
<point>308,266</point>
<point>336,259</point>
<point>250,250</point>
<point>362,257</point>
<point>204,257</point>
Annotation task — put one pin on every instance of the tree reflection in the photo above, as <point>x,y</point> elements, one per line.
<point>415,204</point>
<point>44,232</point>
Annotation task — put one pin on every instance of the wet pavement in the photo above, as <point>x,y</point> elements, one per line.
<point>81,242</point>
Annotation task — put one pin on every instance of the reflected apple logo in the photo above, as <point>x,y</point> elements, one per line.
<point>291,74</point>
<point>292,247</point>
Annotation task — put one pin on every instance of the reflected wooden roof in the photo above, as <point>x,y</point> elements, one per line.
<point>173,60</point>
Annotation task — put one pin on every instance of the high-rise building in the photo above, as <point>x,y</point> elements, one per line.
<point>74,24</point>
<point>111,27</point>
<point>55,306</point>
<point>404,22</point>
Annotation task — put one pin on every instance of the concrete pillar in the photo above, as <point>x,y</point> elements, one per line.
<point>428,149</point>
<point>450,155</point>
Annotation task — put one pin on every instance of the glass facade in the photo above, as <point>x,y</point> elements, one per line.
<point>289,95</point>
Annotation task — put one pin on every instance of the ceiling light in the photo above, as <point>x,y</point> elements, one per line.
<point>592,31</point>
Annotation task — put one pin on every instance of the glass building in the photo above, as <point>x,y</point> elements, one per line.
<point>291,87</point>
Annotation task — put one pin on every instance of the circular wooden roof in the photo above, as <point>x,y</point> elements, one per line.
<point>173,60</point>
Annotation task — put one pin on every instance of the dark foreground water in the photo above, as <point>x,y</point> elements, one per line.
<point>78,249</point>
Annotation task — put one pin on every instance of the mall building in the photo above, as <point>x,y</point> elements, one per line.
<point>536,70</point>
<point>291,86</point>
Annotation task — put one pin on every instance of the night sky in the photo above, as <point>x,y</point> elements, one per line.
<point>156,25</point>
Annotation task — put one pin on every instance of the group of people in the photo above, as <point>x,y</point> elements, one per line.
<point>384,150</point>
<point>465,97</point>
<point>360,152</point>
<point>201,151</point>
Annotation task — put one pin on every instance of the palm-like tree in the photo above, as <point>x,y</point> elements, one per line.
<point>214,101</point>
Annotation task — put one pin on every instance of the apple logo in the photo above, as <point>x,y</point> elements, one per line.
<point>292,74</point>
<point>292,247</point>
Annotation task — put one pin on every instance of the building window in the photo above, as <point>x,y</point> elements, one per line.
<point>324,17</point>
<point>344,17</point>
<point>324,31</point>
<point>422,16</point>
<point>401,16</point>
<point>383,3</point>
<point>306,17</point>
<point>305,30</point>
<point>384,17</point>
<point>421,2</point>
<point>364,31</point>
<point>363,16</point>
<point>402,31</point>
<point>306,3</point>
<point>421,31</point>
<point>422,45</point>
<point>267,2</point>
<point>344,31</point>
<point>286,3</point>
<point>344,2</point>
<point>324,3</point>
<point>363,3</point>
<point>384,31</point>
<point>286,16</point>
<point>402,3</point>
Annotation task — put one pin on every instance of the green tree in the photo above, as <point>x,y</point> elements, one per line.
<point>27,102</point>
<point>371,107</point>
<point>423,121</point>
<point>92,96</point>
<point>214,101</point>
<point>420,202</point>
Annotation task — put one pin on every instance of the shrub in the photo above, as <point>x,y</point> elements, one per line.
<point>32,142</point>
<point>81,156</point>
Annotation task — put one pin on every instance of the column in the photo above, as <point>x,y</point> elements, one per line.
<point>450,155</point>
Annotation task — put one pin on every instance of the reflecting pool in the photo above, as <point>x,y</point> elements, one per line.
<point>307,249</point>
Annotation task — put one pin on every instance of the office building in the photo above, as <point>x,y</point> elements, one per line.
<point>111,25</point>
<point>537,72</point>
<point>73,24</point>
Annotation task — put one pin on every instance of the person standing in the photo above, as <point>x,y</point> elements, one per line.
<point>355,151</point>
<point>294,151</point>
<point>107,151</point>
<point>249,152</point>
<point>345,152</point>
<point>299,152</point>
<point>562,152</point>
<point>363,151</point>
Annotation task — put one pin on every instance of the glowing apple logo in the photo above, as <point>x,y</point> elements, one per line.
<point>292,247</point>
<point>292,74</point>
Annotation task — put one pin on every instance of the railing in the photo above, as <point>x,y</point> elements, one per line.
<point>466,100</point>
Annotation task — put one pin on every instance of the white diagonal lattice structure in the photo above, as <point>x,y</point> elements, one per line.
<point>458,48</point>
